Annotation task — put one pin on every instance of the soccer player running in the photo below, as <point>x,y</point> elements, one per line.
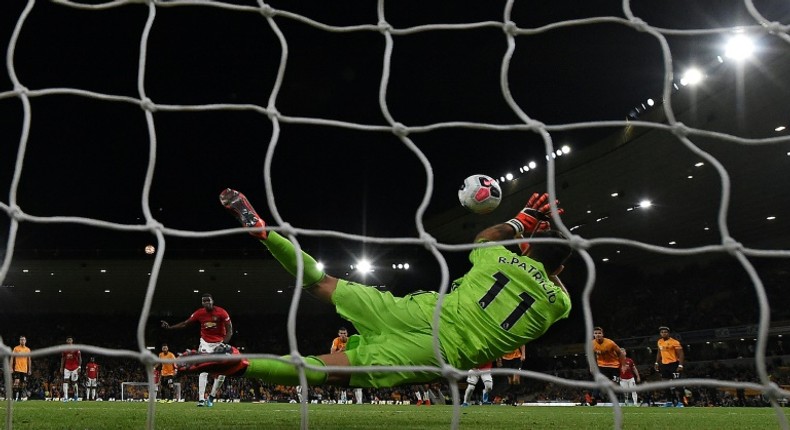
<point>669,362</point>
<point>22,367</point>
<point>609,357</point>
<point>70,363</point>
<point>167,374</point>
<point>629,377</point>
<point>92,374</point>
<point>216,330</point>
<point>483,372</point>
<point>504,301</point>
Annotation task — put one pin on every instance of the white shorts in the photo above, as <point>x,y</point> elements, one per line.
<point>628,383</point>
<point>71,375</point>
<point>92,383</point>
<point>208,347</point>
<point>474,377</point>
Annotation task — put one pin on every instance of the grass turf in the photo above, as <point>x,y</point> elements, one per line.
<point>117,415</point>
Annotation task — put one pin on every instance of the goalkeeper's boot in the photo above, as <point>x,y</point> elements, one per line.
<point>210,401</point>
<point>224,367</point>
<point>242,210</point>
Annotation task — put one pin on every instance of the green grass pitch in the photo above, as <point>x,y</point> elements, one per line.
<point>116,415</point>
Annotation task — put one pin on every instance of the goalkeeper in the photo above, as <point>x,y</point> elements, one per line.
<point>503,302</point>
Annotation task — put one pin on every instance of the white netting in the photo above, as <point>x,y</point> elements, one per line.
<point>513,32</point>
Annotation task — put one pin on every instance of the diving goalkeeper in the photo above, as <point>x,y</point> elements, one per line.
<point>503,302</point>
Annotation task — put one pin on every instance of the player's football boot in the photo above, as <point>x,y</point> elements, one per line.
<point>224,367</point>
<point>201,403</point>
<point>242,210</point>
<point>209,402</point>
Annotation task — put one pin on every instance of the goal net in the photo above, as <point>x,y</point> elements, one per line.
<point>139,113</point>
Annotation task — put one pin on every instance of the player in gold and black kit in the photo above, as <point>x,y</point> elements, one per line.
<point>22,367</point>
<point>167,375</point>
<point>608,355</point>
<point>669,361</point>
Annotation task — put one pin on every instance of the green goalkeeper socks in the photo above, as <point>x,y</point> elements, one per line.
<point>284,251</point>
<point>277,372</point>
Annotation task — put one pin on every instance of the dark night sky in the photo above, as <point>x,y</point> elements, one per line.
<point>88,158</point>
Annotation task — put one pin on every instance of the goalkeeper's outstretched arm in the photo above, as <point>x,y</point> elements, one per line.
<point>533,221</point>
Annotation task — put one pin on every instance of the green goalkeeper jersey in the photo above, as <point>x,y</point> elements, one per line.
<point>504,301</point>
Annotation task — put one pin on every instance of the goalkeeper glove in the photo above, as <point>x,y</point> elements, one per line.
<point>535,216</point>
<point>223,367</point>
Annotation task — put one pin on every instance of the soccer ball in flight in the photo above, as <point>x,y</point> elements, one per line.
<point>480,194</point>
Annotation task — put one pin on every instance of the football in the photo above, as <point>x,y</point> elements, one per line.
<point>480,194</point>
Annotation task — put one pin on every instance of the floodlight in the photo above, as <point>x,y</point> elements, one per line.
<point>739,47</point>
<point>692,76</point>
<point>364,266</point>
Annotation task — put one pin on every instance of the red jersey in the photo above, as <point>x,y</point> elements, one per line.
<point>92,370</point>
<point>71,360</point>
<point>628,373</point>
<point>486,366</point>
<point>212,324</point>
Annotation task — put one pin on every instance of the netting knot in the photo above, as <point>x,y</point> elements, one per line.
<point>679,129</point>
<point>272,113</point>
<point>731,245</point>
<point>297,360</point>
<point>450,372</point>
<point>578,242</point>
<point>384,27</point>
<point>21,89</point>
<point>774,391</point>
<point>400,130</point>
<point>148,358</point>
<point>155,225</point>
<point>535,125</point>
<point>639,24</point>
<point>510,28</point>
<point>428,241</point>
<point>287,229</point>
<point>267,10</point>
<point>15,212</point>
<point>776,27</point>
<point>148,104</point>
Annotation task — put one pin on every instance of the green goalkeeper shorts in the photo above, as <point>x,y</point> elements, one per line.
<point>393,331</point>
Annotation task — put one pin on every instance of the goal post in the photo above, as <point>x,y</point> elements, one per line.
<point>133,391</point>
